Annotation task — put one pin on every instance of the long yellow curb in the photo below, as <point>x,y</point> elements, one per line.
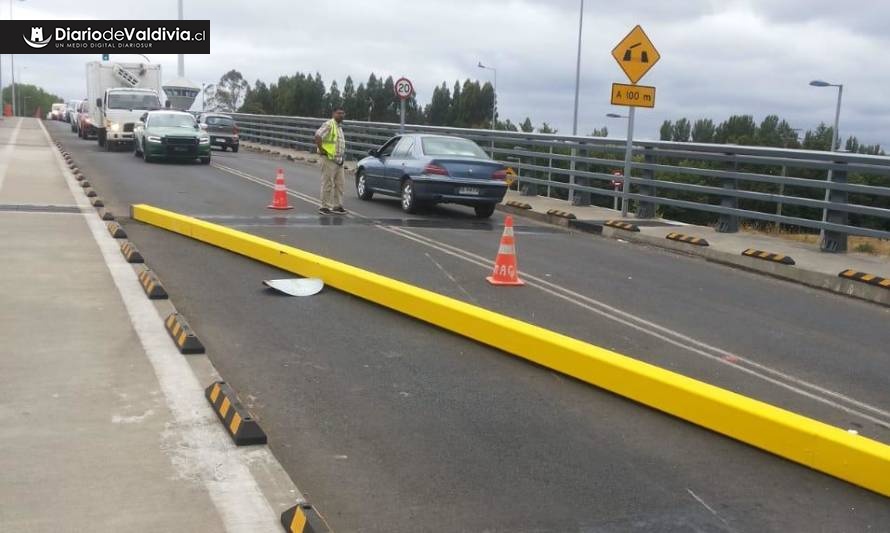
<point>820,446</point>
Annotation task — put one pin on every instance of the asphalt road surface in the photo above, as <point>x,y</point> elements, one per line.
<point>389,424</point>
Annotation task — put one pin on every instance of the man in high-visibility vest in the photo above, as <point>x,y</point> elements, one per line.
<point>332,147</point>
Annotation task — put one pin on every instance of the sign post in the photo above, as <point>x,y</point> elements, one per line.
<point>403,89</point>
<point>635,55</point>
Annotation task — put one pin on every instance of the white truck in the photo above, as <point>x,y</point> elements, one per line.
<point>119,94</point>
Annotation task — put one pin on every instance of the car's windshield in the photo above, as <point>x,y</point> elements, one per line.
<point>133,101</point>
<point>219,121</point>
<point>171,120</point>
<point>452,146</point>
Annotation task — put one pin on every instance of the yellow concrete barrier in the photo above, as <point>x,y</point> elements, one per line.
<point>820,446</point>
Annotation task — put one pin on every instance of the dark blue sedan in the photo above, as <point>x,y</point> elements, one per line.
<point>430,169</point>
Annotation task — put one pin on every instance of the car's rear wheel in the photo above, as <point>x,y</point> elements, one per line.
<point>484,211</point>
<point>235,149</point>
<point>205,160</point>
<point>361,186</point>
<point>409,199</point>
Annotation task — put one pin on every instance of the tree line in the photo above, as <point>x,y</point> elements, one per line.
<point>772,131</point>
<point>466,104</point>
<point>30,99</point>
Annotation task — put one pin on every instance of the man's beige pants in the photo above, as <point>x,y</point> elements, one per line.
<point>331,184</point>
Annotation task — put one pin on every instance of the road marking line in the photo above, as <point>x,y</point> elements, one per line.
<point>203,449</point>
<point>7,152</point>
<point>449,276</point>
<point>719,355</point>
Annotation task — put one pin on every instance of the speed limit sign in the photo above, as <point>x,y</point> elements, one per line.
<point>403,88</point>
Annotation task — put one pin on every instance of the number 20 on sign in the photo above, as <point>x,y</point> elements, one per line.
<point>633,95</point>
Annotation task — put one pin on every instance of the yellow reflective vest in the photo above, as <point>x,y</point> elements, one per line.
<point>329,142</point>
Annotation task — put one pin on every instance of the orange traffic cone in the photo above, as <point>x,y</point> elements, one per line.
<point>279,197</point>
<point>505,271</point>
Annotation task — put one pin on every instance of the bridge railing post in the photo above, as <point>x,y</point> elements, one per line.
<point>835,241</point>
<point>647,209</point>
<point>729,223</point>
<point>580,197</point>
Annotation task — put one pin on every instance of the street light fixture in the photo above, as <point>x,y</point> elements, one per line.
<point>494,101</point>
<point>834,145</point>
<point>615,115</point>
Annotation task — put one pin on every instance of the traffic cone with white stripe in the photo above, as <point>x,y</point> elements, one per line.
<point>279,197</point>
<point>505,270</point>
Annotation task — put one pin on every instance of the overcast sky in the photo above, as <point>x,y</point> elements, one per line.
<point>718,57</point>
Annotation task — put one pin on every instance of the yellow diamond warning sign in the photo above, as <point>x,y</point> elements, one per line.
<point>636,54</point>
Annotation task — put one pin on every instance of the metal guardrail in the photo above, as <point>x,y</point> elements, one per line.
<point>728,183</point>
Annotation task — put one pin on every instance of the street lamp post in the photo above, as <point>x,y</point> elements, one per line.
<point>180,60</point>
<point>575,114</point>
<point>22,94</point>
<point>834,147</point>
<point>12,65</point>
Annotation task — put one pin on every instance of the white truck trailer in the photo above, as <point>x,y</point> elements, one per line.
<point>119,94</point>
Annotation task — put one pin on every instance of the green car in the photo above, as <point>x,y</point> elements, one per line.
<point>170,135</point>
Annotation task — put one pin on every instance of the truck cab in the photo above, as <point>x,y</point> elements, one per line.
<point>119,109</point>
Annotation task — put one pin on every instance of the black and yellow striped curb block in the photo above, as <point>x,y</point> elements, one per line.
<point>562,214</point>
<point>865,277</point>
<point>698,241</point>
<point>97,202</point>
<point>116,230</point>
<point>131,254</point>
<point>85,184</point>
<point>152,285</point>
<point>767,256</point>
<point>235,417</point>
<point>79,177</point>
<point>303,518</point>
<point>627,226</point>
<point>519,205</point>
<point>91,193</point>
<point>183,335</point>
<point>106,215</point>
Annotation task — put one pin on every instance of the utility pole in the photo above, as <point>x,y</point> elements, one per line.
<point>575,117</point>
<point>180,66</point>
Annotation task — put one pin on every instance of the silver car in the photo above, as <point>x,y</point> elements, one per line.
<point>222,130</point>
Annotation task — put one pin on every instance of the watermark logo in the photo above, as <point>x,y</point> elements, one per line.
<point>37,40</point>
<point>105,36</point>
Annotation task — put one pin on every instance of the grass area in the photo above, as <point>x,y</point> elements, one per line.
<point>866,245</point>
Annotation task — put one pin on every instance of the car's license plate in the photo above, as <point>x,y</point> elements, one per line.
<point>474,191</point>
<point>180,149</point>
<point>219,140</point>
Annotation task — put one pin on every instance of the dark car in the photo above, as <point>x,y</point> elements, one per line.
<point>222,129</point>
<point>431,169</point>
<point>170,135</point>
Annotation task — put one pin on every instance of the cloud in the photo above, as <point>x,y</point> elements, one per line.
<point>719,57</point>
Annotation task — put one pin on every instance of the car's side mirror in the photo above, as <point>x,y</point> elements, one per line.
<point>98,102</point>
<point>373,152</point>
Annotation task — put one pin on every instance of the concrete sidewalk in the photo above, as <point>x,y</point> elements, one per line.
<point>812,267</point>
<point>103,424</point>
